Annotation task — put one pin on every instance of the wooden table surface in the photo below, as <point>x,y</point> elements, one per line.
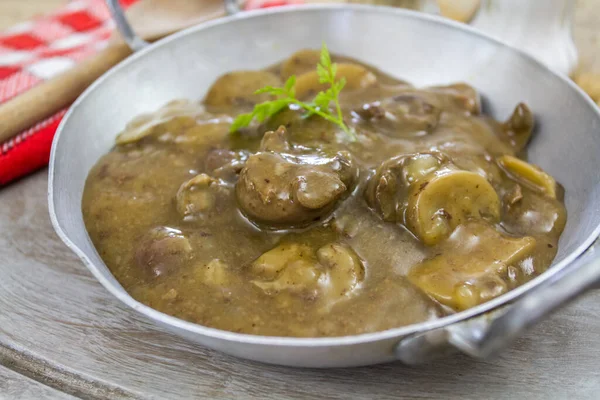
<point>63,336</point>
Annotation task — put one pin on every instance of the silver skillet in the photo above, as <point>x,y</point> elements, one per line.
<point>422,49</point>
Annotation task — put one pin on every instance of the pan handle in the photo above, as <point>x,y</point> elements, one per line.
<point>232,7</point>
<point>134,42</point>
<point>485,336</point>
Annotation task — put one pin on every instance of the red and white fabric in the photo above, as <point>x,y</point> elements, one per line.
<point>37,50</point>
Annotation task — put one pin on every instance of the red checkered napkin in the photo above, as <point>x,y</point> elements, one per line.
<point>37,50</point>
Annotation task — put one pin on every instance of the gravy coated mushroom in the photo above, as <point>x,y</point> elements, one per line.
<point>280,190</point>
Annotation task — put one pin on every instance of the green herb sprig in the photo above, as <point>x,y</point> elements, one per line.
<point>286,96</point>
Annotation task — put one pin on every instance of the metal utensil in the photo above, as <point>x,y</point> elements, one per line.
<point>423,49</point>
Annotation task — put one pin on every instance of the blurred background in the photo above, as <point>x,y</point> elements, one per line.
<point>586,27</point>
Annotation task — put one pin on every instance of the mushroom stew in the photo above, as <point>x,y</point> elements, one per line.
<point>290,226</point>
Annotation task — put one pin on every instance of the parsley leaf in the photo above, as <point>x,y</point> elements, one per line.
<point>286,96</point>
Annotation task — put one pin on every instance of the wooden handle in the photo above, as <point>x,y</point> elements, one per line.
<point>51,96</point>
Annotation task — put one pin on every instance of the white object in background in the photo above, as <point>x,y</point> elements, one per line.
<point>541,28</point>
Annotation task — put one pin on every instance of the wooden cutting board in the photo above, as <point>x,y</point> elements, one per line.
<point>62,335</point>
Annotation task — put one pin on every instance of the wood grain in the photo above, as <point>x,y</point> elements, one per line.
<point>51,96</point>
<point>60,327</point>
<point>63,335</point>
<point>14,386</point>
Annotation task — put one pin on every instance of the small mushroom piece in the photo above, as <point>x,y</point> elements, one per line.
<point>467,295</point>
<point>201,133</point>
<point>471,266</point>
<point>331,273</point>
<point>535,214</point>
<point>371,111</point>
<point>298,276</point>
<point>199,195</point>
<point>384,190</point>
<point>343,165</point>
<point>405,115</point>
<point>347,225</point>
<point>344,271</point>
<point>225,164</point>
<point>277,141</point>
<point>289,266</point>
<point>480,163</point>
<point>457,97</point>
<point>300,62</point>
<point>530,175</point>
<point>215,273</point>
<point>446,199</point>
<point>418,166</point>
<point>174,116</point>
<point>271,263</point>
<point>357,77</point>
<point>519,126</point>
<point>514,196</point>
<point>315,189</point>
<point>237,89</point>
<point>162,250</point>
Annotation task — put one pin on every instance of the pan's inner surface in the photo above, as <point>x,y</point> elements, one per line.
<point>502,76</point>
<point>296,227</point>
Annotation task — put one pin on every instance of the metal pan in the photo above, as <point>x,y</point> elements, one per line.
<point>422,49</point>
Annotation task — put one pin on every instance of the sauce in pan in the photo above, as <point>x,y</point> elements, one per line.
<point>289,228</point>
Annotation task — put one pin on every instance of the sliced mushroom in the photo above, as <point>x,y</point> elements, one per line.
<point>271,263</point>
<point>277,191</point>
<point>387,189</point>
<point>471,266</point>
<point>202,133</point>
<point>162,250</point>
<point>406,115</point>
<point>331,273</point>
<point>237,89</point>
<point>446,199</point>
<point>458,98</point>
<point>312,132</point>
<point>357,77</point>
<point>529,175</point>
<point>199,195</point>
<point>418,166</point>
<point>482,164</point>
<point>174,116</point>
<point>344,270</point>
<point>298,276</point>
<point>302,61</point>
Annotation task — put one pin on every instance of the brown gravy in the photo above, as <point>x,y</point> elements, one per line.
<point>288,228</point>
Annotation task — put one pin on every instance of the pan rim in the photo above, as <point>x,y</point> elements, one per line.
<point>392,333</point>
